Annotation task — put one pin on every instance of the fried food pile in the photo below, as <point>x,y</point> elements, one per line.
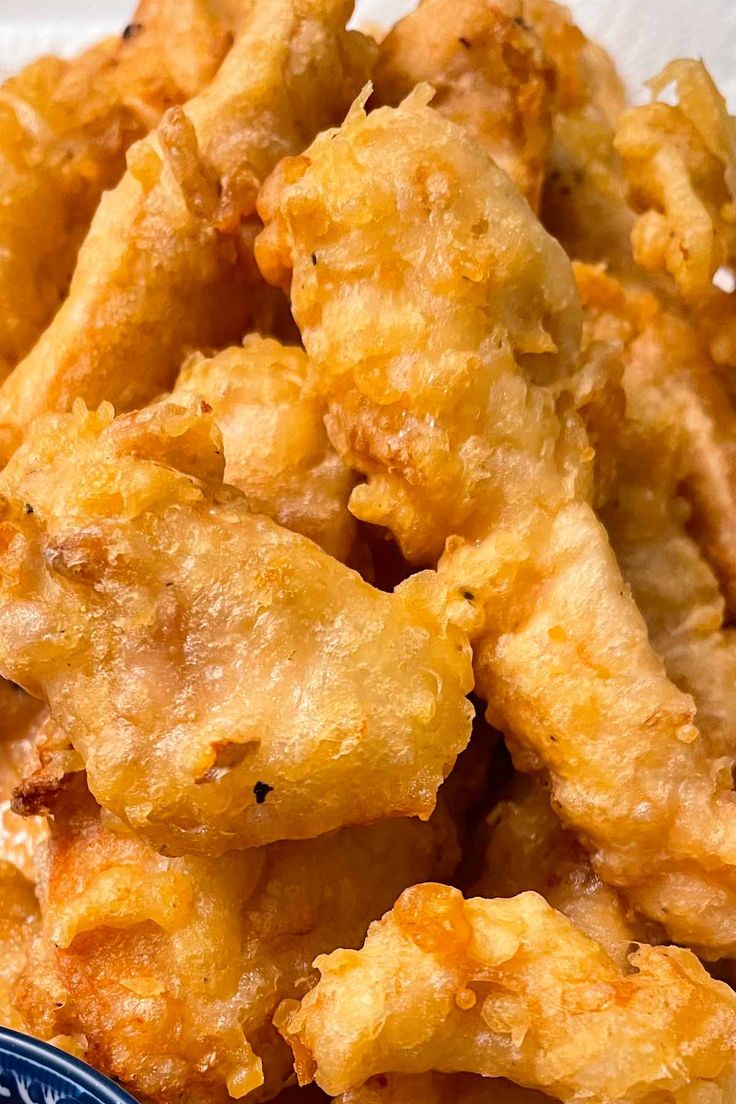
<point>368,561</point>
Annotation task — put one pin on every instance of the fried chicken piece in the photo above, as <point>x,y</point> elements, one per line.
<point>584,202</point>
<point>438,308</point>
<point>678,437</point>
<point>276,446</point>
<point>172,968</point>
<point>20,718</point>
<point>511,988</point>
<point>64,130</point>
<point>489,73</point>
<point>226,682</point>
<point>167,264</point>
<point>440,1088</point>
<point>18,920</point>
<point>680,166</point>
<point>528,848</point>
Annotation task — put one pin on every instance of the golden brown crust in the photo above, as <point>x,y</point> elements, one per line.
<point>489,73</point>
<point>167,264</point>
<point>511,988</point>
<point>172,968</point>
<point>276,446</point>
<point>225,681</point>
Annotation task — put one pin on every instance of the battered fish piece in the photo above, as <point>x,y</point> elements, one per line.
<point>64,130</point>
<point>439,1088</point>
<point>529,849</point>
<point>678,435</point>
<point>436,312</point>
<point>276,446</point>
<point>511,988</point>
<point>489,73</point>
<point>167,264</point>
<point>172,968</point>
<point>226,682</point>
<point>680,166</point>
<point>18,920</point>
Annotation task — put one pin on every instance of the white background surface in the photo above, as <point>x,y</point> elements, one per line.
<point>641,34</point>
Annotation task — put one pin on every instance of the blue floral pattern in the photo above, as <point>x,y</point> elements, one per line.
<point>33,1073</point>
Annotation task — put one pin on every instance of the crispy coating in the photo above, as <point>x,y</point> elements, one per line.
<point>64,130</point>
<point>489,73</point>
<point>441,406</point>
<point>226,682</point>
<point>511,988</point>
<point>18,921</point>
<point>172,968</point>
<point>678,434</point>
<point>167,265</point>
<point>584,203</point>
<point>276,446</point>
<point>528,848</point>
<point>20,718</point>
<point>680,166</point>
<point>439,1088</point>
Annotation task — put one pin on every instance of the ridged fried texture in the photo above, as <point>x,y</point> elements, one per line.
<point>20,718</point>
<point>64,129</point>
<point>167,264</point>
<point>436,305</point>
<point>489,73</point>
<point>172,968</point>
<point>440,1088</point>
<point>527,848</point>
<point>276,446</point>
<point>512,988</point>
<point>226,682</point>
<point>18,921</point>
<point>584,203</point>
<point>680,167</point>
<point>678,439</point>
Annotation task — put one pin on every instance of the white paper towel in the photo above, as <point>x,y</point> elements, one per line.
<point>642,35</point>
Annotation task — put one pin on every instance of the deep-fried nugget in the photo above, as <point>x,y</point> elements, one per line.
<point>584,202</point>
<point>276,446</point>
<point>440,1088</point>
<point>226,682</point>
<point>167,266</point>
<point>18,920</point>
<point>489,73</point>
<point>527,848</point>
<point>20,718</point>
<point>64,130</point>
<point>511,988</point>
<point>436,310</point>
<point>680,166</point>
<point>172,968</point>
<point>678,434</point>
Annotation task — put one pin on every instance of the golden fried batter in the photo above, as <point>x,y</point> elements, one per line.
<point>679,434</point>
<point>436,309</point>
<point>64,130</point>
<point>680,165</point>
<point>167,264</point>
<point>20,718</point>
<point>489,73</point>
<point>528,849</point>
<point>276,446</point>
<point>440,1088</point>
<point>511,988</point>
<point>226,682</point>
<point>18,920</point>
<point>172,968</point>
<point>584,202</point>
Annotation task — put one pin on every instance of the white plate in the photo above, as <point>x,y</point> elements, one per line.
<point>642,34</point>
